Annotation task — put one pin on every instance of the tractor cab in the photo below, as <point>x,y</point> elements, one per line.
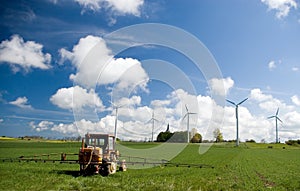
<point>104,141</point>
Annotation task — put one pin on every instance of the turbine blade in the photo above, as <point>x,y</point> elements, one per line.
<point>192,113</point>
<point>279,119</point>
<point>184,116</point>
<point>277,111</point>
<point>112,103</point>
<point>119,106</point>
<point>242,101</point>
<point>271,117</point>
<point>230,102</point>
<point>186,108</point>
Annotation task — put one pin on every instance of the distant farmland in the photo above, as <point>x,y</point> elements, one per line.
<point>249,167</point>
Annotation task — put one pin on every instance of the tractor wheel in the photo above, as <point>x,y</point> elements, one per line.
<point>112,168</point>
<point>104,170</point>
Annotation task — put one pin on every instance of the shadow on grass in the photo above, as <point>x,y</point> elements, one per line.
<point>74,173</point>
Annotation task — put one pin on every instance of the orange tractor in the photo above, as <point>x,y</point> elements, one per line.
<point>98,155</point>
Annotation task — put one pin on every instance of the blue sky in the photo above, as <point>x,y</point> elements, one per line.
<point>51,85</point>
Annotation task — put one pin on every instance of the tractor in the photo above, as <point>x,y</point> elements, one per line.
<point>98,155</point>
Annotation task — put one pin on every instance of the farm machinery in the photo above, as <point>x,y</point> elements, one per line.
<point>98,155</point>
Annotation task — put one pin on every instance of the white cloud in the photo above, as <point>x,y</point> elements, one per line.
<point>296,100</point>
<point>268,102</point>
<point>1,120</point>
<point>221,86</point>
<point>292,119</point>
<point>271,65</point>
<point>76,98</point>
<point>19,54</point>
<point>81,127</point>
<point>81,50</point>
<point>282,7</point>
<point>95,65</point>
<point>121,69</point>
<point>160,103</point>
<point>21,102</point>
<point>42,126</point>
<point>258,95</point>
<point>295,69</point>
<point>126,6</point>
<point>127,102</point>
<point>119,7</point>
<point>93,5</point>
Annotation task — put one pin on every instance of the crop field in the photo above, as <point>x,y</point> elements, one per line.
<point>249,167</point>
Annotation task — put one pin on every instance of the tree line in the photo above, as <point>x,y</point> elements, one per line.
<point>181,136</point>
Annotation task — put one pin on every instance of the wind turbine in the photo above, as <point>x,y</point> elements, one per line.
<point>116,119</point>
<point>276,118</point>
<point>153,120</point>
<point>237,118</point>
<point>188,122</point>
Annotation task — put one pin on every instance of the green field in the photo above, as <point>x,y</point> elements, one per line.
<point>249,167</point>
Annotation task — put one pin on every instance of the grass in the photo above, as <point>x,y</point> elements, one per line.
<point>249,167</point>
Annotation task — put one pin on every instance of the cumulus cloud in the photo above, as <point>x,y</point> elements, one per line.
<point>42,126</point>
<point>76,98</point>
<point>132,101</point>
<point>271,65</point>
<point>295,100</point>
<point>119,7</point>
<point>126,6</point>
<point>282,7</point>
<point>95,65</point>
<point>258,95</point>
<point>160,103</point>
<point>81,127</point>
<point>221,86</point>
<point>21,102</point>
<point>26,55</point>
<point>81,50</point>
<point>292,118</point>
<point>267,102</point>
<point>93,5</point>
<point>295,69</point>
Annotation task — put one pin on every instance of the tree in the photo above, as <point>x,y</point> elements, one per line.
<point>218,135</point>
<point>197,138</point>
<point>163,136</point>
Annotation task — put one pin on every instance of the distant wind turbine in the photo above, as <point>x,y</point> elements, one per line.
<point>116,119</point>
<point>188,122</point>
<point>276,118</point>
<point>153,120</point>
<point>237,118</point>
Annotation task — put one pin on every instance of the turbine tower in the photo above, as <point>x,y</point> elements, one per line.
<point>188,122</point>
<point>237,118</point>
<point>116,119</point>
<point>153,120</point>
<point>276,123</point>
